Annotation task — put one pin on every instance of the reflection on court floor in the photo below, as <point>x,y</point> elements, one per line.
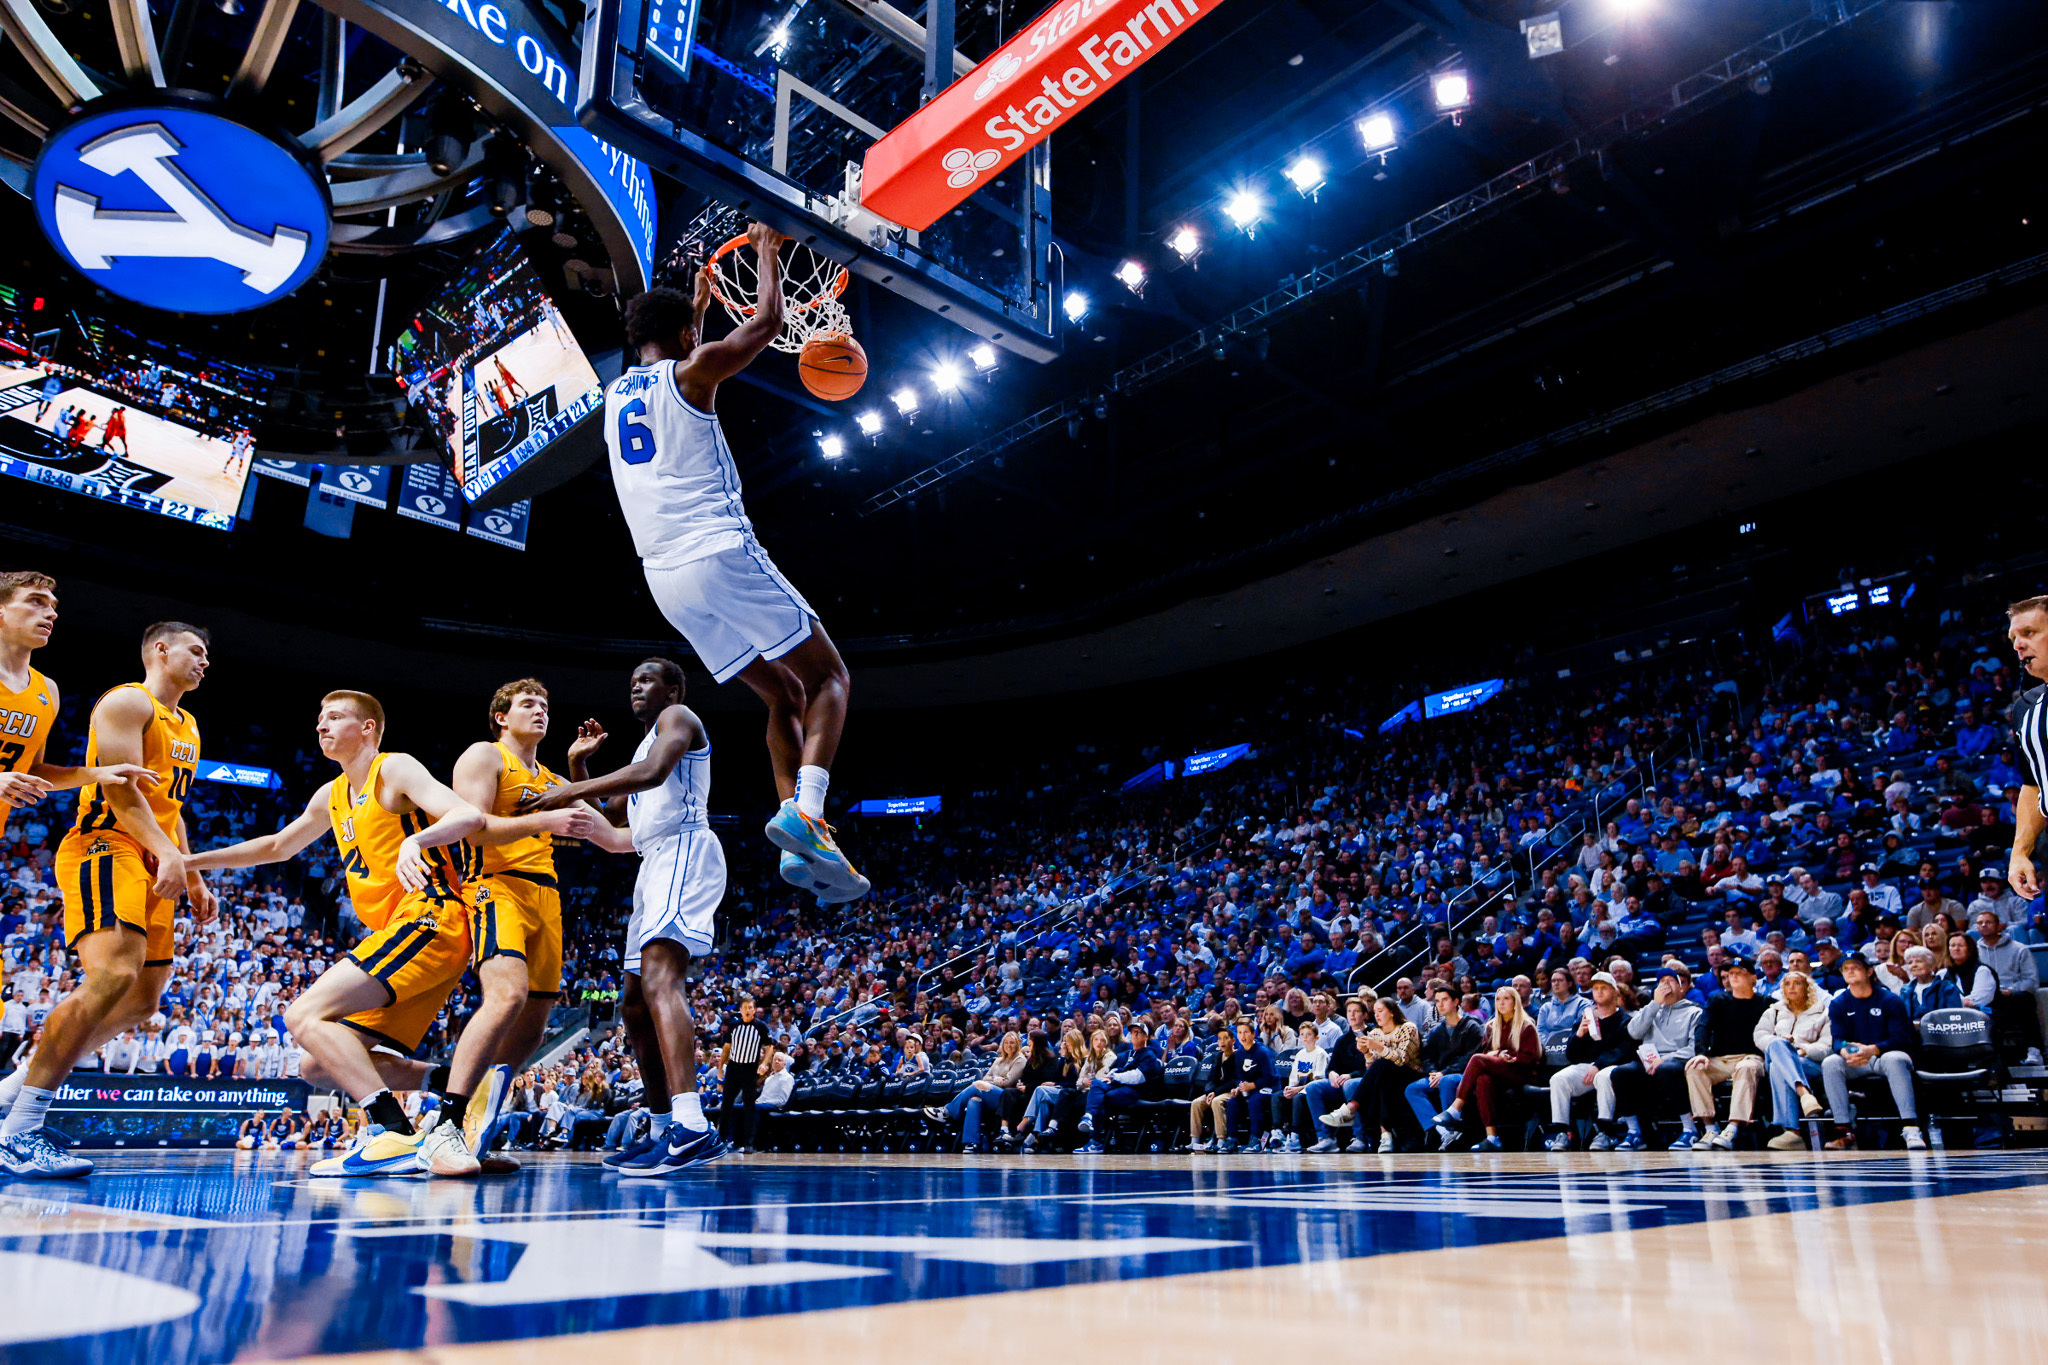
<point>212,1257</point>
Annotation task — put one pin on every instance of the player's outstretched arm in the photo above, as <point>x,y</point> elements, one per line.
<point>307,826</point>
<point>714,361</point>
<point>476,781</point>
<point>676,732</point>
<point>63,777</point>
<point>612,838</point>
<point>454,818</point>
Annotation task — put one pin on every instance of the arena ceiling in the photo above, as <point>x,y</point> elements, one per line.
<point>1874,204</point>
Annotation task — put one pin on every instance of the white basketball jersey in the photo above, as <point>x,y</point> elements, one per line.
<point>677,482</point>
<point>676,805</point>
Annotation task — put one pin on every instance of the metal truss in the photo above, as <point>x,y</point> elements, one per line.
<point>1737,71</point>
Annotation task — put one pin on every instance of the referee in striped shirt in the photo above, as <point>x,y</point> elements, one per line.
<point>743,1061</point>
<point>2027,628</point>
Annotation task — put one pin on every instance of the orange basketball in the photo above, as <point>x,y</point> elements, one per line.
<point>833,366</point>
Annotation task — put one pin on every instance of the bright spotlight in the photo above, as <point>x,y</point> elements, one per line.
<point>1244,209</point>
<point>1453,91</point>
<point>1378,132</point>
<point>1132,275</point>
<point>1185,244</point>
<point>831,447</point>
<point>946,377</point>
<point>779,39</point>
<point>984,358</point>
<point>870,423</point>
<point>1306,174</point>
<point>1076,306</point>
<point>1629,7</point>
<point>905,400</point>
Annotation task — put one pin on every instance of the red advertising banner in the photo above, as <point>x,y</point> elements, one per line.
<point>1062,62</point>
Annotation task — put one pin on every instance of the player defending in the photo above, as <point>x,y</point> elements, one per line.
<point>516,926</point>
<point>120,869</point>
<point>401,834</point>
<point>680,492</point>
<point>662,796</point>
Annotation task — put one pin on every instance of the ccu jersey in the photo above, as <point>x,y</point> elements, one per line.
<point>25,719</point>
<point>170,749</point>
<point>418,947</point>
<point>676,805</point>
<point>106,878</point>
<point>677,482</point>
<point>517,909</point>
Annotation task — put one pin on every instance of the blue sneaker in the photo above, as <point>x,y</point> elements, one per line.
<point>1092,1148</point>
<point>833,876</point>
<point>1491,1144</point>
<point>1684,1143</point>
<point>1448,1119</point>
<point>486,1104</point>
<point>34,1155</point>
<point>637,1153</point>
<point>683,1151</point>
<point>1630,1142</point>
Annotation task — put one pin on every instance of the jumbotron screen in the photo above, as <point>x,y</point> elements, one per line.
<point>496,368</point>
<point>90,407</point>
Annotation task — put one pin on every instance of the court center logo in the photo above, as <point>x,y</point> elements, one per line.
<point>179,207</point>
<point>998,74</point>
<point>963,167</point>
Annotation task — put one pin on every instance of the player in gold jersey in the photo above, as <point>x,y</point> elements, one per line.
<point>516,925</point>
<point>403,840</point>
<point>120,870</point>
<point>28,707</point>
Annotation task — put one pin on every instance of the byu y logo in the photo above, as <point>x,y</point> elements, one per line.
<point>175,206</point>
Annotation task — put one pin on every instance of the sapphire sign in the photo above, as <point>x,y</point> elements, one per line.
<point>178,207</point>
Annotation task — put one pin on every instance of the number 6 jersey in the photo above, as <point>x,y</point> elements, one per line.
<point>677,482</point>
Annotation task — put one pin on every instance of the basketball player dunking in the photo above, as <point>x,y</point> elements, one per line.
<point>680,492</point>
<point>662,797</point>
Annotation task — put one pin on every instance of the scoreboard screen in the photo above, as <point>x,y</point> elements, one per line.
<point>92,408</point>
<point>496,367</point>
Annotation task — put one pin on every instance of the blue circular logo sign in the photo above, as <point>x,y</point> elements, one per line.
<point>181,208</point>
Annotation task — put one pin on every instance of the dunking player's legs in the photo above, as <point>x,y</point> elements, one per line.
<point>806,693</point>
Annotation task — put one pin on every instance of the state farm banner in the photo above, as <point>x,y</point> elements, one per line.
<point>1060,64</point>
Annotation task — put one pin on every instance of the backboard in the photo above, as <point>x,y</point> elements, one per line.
<point>767,109</point>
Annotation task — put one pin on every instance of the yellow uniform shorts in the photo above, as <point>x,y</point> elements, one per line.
<point>520,915</point>
<point>418,957</point>
<point>105,878</point>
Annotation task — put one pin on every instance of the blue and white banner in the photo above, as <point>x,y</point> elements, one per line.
<point>503,525</point>
<point>291,471</point>
<point>367,483</point>
<point>429,493</point>
<point>239,775</point>
<point>901,805</point>
<point>1194,765</point>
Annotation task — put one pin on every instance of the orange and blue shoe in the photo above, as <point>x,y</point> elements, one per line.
<point>832,877</point>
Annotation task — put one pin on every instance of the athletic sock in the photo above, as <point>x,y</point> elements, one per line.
<point>10,1087</point>
<point>811,782</point>
<point>657,1124</point>
<point>437,1080</point>
<point>384,1110</point>
<point>453,1107</point>
<point>689,1112</point>
<point>1687,1124</point>
<point>29,1107</point>
<point>1635,1124</point>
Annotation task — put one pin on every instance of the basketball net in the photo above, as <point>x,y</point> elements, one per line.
<point>811,289</point>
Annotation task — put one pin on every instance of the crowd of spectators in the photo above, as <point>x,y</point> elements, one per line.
<point>1334,926</point>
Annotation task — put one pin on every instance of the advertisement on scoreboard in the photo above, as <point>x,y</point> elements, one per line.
<point>496,368</point>
<point>88,407</point>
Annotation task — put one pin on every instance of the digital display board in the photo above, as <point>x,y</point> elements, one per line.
<point>1412,711</point>
<point>1462,698</point>
<point>900,805</point>
<point>115,1109</point>
<point>1194,765</point>
<point>496,368</point>
<point>240,775</point>
<point>92,408</point>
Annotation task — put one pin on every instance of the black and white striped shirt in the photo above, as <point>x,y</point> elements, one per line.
<point>2029,718</point>
<point>744,1044</point>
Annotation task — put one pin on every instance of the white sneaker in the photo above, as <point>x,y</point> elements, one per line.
<point>1915,1142</point>
<point>1723,1141</point>
<point>445,1152</point>
<point>1708,1132</point>
<point>2033,1057</point>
